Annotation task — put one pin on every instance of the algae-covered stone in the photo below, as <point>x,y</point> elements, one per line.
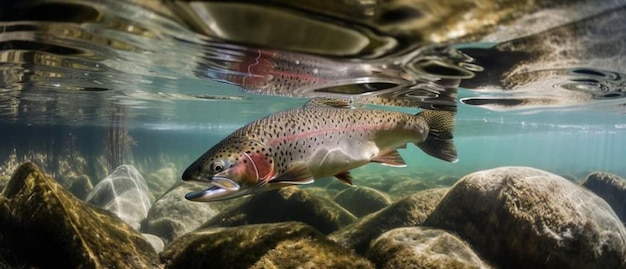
<point>276,245</point>
<point>172,215</point>
<point>410,211</point>
<point>419,247</point>
<point>285,204</point>
<point>3,181</point>
<point>163,179</point>
<point>125,193</point>
<point>80,186</point>
<point>521,217</point>
<point>361,201</point>
<point>47,227</point>
<point>321,192</point>
<point>406,188</point>
<point>612,188</point>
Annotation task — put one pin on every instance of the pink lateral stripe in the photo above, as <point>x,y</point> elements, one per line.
<point>293,137</point>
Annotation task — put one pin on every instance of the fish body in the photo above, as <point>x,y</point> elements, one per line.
<point>326,137</point>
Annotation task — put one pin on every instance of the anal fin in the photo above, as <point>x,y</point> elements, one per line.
<point>345,177</point>
<point>391,158</point>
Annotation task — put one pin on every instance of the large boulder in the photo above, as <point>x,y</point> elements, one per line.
<point>45,226</point>
<point>124,193</point>
<point>521,217</point>
<point>419,247</point>
<point>172,215</point>
<point>274,245</point>
<point>361,201</point>
<point>410,211</point>
<point>285,204</point>
<point>612,188</point>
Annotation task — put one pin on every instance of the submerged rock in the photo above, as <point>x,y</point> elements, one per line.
<point>406,188</point>
<point>418,247</point>
<point>3,181</point>
<point>361,201</point>
<point>410,211</point>
<point>163,179</point>
<point>124,193</point>
<point>522,217</point>
<point>285,204</point>
<point>172,215</point>
<point>321,192</point>
<point>276,245</point>
<point>80,186</point>
<point>45,226</point>
<point>155,241</point>
<point>612,188</point>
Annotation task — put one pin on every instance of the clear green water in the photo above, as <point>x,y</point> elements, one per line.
<point>70,81</point>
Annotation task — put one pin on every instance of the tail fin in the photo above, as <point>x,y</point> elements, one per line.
<point>439,143</point>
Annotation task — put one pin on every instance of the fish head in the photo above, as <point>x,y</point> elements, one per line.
<point>235,167</point>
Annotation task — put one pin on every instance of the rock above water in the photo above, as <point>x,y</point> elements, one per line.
<point>522,217</point>
<point>361,201</point>
<point>124,193</point>
<point>410,211</point>
<point>612,188</point>
<point>45,226</point>
<point>285,204</point>
<point>276,245</point>
<point>418,247</point>
<point>172,215</point>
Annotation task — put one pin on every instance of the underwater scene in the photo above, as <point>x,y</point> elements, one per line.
<point>313,134</point>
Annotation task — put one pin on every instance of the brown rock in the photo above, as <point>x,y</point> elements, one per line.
<point>521,217</point>
<point>46,226</point>
<point>285,204</point>
<point>274,245</point>
<point>410,211</point>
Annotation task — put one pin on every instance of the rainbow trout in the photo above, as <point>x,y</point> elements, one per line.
<point>326,137</point>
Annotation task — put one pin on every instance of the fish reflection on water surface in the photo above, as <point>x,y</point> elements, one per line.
<point>326,137</point>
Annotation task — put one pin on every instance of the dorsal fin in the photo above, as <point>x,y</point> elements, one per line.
<point>328,102</point>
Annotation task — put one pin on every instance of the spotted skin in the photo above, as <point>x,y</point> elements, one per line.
<point>324,138</point>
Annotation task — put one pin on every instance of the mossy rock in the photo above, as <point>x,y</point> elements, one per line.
<point>611,188</point>
<point>407,187</point>
<point>285,204</point>
<point>422,248</point>
<point>45,226</point>
<point>273,245</point>
<point>361,201</point>
<point>80,186</point>
<point>521,217</point>
<point>321,192</point>
<point>408,212</point>
<point>172,215</point>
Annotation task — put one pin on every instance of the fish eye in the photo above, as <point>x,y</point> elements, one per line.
<point>217,166</point>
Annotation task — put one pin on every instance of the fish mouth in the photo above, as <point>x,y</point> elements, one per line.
<point>213,193</point>
<point>222,188</point>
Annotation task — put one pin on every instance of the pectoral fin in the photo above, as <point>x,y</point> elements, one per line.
<point>392,158</point>
<point>298,174</point>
